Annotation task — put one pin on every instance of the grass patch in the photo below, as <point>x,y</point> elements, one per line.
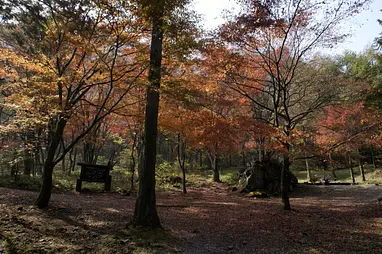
<point>230,176</point>
<point>199,179</point>
<point>373,176</point>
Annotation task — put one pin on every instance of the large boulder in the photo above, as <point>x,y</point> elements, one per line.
<point>265,176</point>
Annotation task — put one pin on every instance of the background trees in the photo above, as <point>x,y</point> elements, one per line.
<point>273,42</point>
<point>93,64</point>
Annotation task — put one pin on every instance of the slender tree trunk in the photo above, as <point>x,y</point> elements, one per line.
<point>361,169</point>
<point>215,169</point>
<point>284,185</point>
<point>145,213</point>
<point>244,161</point>
<point>63,165</point>
<point>169,151</point>
<point>181,160</point>
<point>42,159</point>
<point>46,188</point>
<point>193,160</point>
<point>74,160</point>
<point>308,175</point>
<point>28,162</point>
<point>351,170</point>
<point>332,167</point>
<point>160,144</point>
<point>214,166</point>
<point>373,157</point>
<point>132,165</point>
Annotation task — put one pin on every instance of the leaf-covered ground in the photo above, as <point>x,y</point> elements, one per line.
<point>324,219</point>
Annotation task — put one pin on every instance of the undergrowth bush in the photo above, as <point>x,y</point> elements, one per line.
<point>21,182</point>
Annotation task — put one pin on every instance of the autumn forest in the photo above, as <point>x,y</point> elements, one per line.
<point>127,127</point>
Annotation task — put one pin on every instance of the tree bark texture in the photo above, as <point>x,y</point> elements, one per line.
<point>351,170</point>
<point>182,160</point>
<point>373,157</point>
<point>145,213</point>
<point>214,165</point>
<point>285,181</point>
<point>46,188</point>
<point>361,170</point>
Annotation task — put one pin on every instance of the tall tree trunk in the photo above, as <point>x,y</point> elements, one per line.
<point>46,188</point>
<point>63,164</point>
<point>42,157</point>
<point>169,152</point>
<point>285,180</point>
<point>373,157</point>
<point>361,169</point>
<point>181,161</point>
<point>244,161</point>
<point>215,169</point>
<point>28,162</point>
<point>351,170</point>
<point>145,213</point>
<point>132,164</point>
<point>73,159</point>
<point>332,167</point>
<point>214,166</point>
<point>308,175</point>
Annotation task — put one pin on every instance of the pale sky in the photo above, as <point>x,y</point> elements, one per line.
<point>364,26</point>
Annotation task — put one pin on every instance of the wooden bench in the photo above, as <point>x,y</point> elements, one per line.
<point>94,173</point>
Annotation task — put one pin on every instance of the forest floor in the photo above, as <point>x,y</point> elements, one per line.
<point>324,219</point>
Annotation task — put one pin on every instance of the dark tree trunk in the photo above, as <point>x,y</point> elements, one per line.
<point>73,160</point>
<point>132,170</point>
<point>214,166</point>
<point>28,153</point>
<point>132,164</point>
<point>140,150</point>
<point>351,170</point>
<point>46,188</point>
<point>308,175</point>
<point>284,183</point>
<point>373,157</point>
<point>145,213</point>
<point>89,153</point>
<point>244,161</point>
<point>40,160</point>
<point>63,164</point>
<point>169,152</point>
<point>75,155</point>
<point>361,169</point>
<point>181,160</point>
<point>28,162</point>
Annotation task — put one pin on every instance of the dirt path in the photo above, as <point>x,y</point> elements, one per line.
<point>324,219</point>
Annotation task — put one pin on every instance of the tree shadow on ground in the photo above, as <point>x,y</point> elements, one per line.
<point>205,220</point>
